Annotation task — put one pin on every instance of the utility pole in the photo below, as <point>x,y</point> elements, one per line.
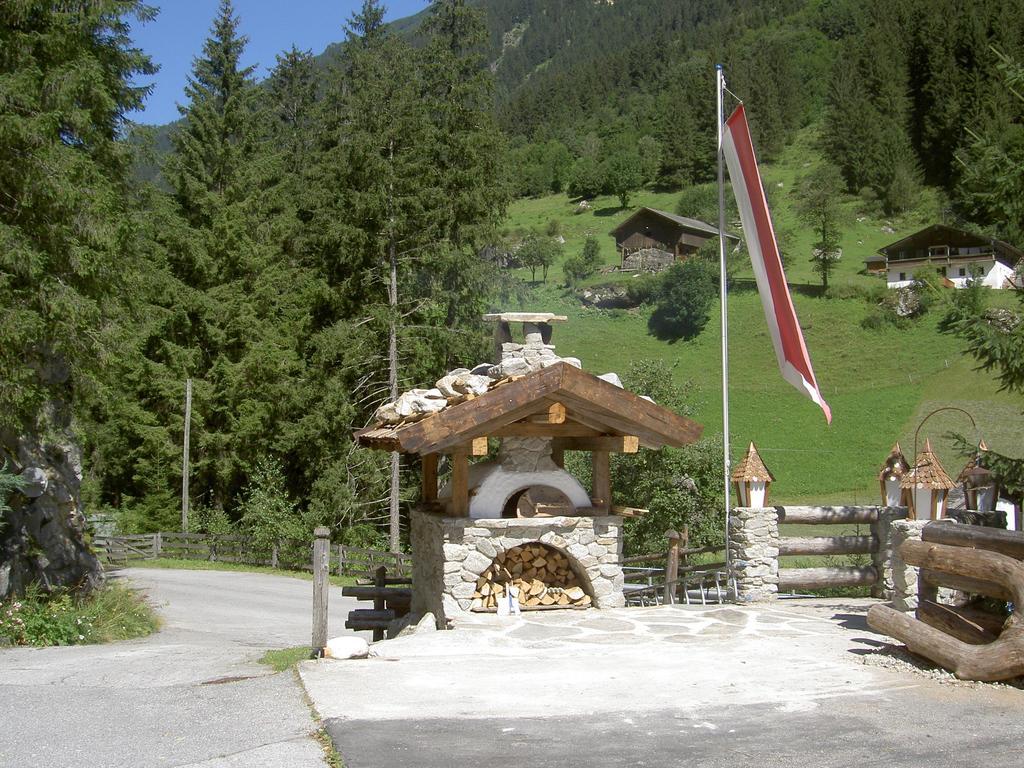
<point>184,458</point>
<point>394,521</point>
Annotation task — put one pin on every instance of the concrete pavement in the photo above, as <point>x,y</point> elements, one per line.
<point>792,685</point>
<point>192,694</point>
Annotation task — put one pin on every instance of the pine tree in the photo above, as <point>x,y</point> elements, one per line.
<point>817,203</point>
<point>66,85</point>
<point>67,239</point>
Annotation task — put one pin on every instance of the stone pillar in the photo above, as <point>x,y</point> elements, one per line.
<point>754,552</point>
<point>904,577</point>
<point>882,558</point>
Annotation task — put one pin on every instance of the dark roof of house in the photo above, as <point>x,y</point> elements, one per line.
<point>941,234</point>
<point>681,221</point>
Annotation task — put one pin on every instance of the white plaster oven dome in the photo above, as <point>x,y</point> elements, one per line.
<point>492,484</point>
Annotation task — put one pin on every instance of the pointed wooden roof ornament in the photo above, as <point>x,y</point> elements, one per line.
<point>895,465</point>
<point>927,472</point>
<point>973,467</point>
<point>751,468</point>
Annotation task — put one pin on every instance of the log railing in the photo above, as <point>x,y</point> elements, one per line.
<point>805,579</point>
<point>971,644</point>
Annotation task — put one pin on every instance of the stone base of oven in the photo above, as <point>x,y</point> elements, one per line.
<point>450,554</point>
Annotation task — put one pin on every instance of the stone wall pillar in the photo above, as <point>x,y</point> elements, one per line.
<point>882,558</point>
<point>904,577</point>
<point>754,552</point>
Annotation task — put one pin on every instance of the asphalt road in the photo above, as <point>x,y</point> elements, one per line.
<point>192,694</point>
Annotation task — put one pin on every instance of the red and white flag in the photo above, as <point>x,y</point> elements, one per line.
<point>788,340</point>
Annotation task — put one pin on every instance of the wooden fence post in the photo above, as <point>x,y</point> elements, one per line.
<point>379,603</point>
<point>274,555</point>
<point>157,544</point>
<point>321,588</point>
<point>671,567</point>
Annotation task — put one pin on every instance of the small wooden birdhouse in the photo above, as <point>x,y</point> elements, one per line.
<point>890,476</point>
<point>981,491</point>
<point>751,479</point>
<point>928,486</point>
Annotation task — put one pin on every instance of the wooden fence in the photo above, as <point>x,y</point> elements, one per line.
<point>673,576</point>
<point>802,579</point>
<point>289,554</point>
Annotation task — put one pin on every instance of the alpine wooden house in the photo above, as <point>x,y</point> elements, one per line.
<point>956,255</point>
<point>651,240</point>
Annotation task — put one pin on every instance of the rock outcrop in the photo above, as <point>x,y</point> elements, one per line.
<point>43,538</point>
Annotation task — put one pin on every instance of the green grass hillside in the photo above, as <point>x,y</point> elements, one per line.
<point>879,383</point>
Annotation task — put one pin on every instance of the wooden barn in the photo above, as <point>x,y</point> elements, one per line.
<point>650,240</point>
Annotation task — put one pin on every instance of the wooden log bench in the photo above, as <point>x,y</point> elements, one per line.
<point>971,645</point>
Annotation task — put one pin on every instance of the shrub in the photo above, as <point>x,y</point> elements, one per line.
<point>268,515</point>
<point>643,289</point>
<point>579,268</point>
<point>113,612</point>
<point>684,302</point>
<point>679,487</point>
<point>215,520</point>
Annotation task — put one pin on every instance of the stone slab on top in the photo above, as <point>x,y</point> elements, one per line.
<point>526,317</point>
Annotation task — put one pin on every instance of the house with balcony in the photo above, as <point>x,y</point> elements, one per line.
<point>955,254</point>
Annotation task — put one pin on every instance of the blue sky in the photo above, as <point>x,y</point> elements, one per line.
<point>176,36</point>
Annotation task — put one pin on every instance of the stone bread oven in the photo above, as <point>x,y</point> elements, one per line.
<point>509,518</point>
<point>453,554</point>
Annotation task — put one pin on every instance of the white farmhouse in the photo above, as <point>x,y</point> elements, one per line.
<point>955,254</point>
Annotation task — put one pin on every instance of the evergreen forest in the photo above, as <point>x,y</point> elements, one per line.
<point>276,244</point>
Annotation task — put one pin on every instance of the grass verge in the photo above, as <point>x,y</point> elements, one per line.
<point>112,612</point>
<point>285,658</point>
<point>207,565</point>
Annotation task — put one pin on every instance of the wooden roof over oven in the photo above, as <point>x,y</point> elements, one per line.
<point>575,408</point>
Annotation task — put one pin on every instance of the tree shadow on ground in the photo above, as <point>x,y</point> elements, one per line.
<point>610,210</point>
<point>665,328</point>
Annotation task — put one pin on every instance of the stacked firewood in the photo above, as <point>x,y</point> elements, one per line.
<point>538,576</point>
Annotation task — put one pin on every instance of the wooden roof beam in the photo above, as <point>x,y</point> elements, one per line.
<point>608,443</point>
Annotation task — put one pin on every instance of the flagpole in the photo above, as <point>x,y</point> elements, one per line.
<point>719,90</point>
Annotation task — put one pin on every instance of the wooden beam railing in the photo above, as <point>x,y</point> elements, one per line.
<point>817,578</point>
<point>288,554</point>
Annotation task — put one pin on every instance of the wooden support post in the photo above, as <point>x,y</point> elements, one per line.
<point>460,485</point>
<point>380,581</point>
<point>158,542</point>
<point>672,566</point>
<point>558,456</point>
<point>321,588</point>
<point>428,486</point>
<point>502,334</point>
<point>275,555</point>
<point>601,482</point>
